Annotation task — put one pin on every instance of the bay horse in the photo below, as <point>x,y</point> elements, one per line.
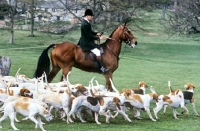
<point>67,55</point>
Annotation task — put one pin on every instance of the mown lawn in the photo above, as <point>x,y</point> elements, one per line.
<point>155,60</point>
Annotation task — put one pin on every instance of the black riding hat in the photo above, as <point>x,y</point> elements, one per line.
<point>88,12</point>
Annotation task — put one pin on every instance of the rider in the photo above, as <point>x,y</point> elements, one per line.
<point>88,36</point>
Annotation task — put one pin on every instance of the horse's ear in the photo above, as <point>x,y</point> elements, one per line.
<point>123,26</point>
<point>125,23</point>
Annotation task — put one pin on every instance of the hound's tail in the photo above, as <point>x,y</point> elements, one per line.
<point>36,89</point>
<point>170,88</point>
<point>114,88</point>
<point>9,92</point>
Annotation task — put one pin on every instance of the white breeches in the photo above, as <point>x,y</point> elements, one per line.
<point>96,52</point>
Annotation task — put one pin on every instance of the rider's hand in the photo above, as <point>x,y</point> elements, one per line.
<point>100,34</point>
<point>101,37</point>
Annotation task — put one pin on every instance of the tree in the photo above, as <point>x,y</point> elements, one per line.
<point>30,5</point>
<point>32,17</point>
<point>185,16</point>
<point>107,13</point>
<point>4,8</point>
<point>12,10</point>
<point>163,4</point>
<point>11,14</point>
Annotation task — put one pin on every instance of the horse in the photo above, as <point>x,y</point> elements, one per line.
<point>67,55</point>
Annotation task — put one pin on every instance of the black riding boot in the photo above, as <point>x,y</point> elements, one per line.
<point>102,68</point>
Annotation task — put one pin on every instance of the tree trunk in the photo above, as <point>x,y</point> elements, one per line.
<point>5,64</point>
<point>11,41</point>
<point>177,17</point>
<point>163,12</point>
<point>32,18</point>
<point>12,14</point>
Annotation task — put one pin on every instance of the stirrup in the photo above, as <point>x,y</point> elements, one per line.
<point>104,70</point>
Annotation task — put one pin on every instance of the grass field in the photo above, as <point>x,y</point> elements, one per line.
<point>155,60</point>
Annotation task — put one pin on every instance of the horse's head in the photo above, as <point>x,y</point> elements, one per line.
<point>127,36</point>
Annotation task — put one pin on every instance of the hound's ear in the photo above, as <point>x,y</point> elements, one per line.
<point>22,92</point>
<point>185,86</point>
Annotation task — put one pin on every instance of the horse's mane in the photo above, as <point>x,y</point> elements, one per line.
<point>110,35</point>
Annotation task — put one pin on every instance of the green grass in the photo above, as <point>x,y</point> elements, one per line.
<point>155,60</point>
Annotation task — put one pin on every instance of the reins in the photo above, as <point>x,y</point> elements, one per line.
<point>111,49</point>
<point>112,52</point>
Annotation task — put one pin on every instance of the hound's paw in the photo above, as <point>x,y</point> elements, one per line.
<point>138,117</point>
<point>63,119</point>
<point>24,119</point>
<point>17,120</point>
<point>129,121</point>
<point>83,121</point>
<point>43,123</point>
<point>99,123</point>
<point>112,116</point>
<point>107,122</point>
<point>153,119</point>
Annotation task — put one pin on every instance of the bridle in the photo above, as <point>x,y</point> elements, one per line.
<point>127,41</point>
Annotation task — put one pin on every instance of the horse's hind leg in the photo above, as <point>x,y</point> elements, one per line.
<point>53,73</point>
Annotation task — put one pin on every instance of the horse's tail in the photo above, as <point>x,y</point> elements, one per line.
<point>43,64</point>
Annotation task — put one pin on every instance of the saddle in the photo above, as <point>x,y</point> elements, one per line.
<point>92,55</point>
<point>93,58</point>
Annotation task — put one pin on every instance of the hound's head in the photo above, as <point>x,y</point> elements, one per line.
<point>155,96</point>
<point>118,102</point>
<point>142,84</point>
<point>189,86</point>
<point>72,88</point>
<point>25,92</point>
<point>82,89</point>
<point>47,115</point>
<point>127,92</point>
<point>164,98</point>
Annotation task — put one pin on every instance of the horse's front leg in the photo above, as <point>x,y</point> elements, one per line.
<point>65,72</point>
<point>108,76</point>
